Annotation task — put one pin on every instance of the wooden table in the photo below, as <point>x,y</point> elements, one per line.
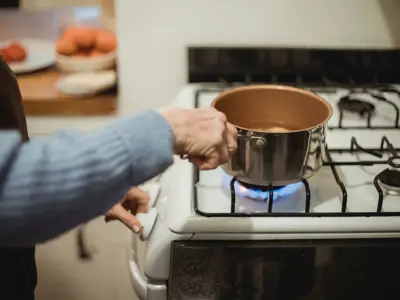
<point>41,98</point>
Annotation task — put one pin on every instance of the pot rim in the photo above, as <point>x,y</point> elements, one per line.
<point>277,87</point>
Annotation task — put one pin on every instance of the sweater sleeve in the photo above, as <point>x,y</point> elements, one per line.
<point>50,185</point>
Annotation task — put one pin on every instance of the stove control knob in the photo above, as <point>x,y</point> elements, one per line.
<point>148,220</point>
<point>153,189</point>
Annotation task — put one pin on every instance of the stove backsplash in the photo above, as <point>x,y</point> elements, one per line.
<point>298,66</point>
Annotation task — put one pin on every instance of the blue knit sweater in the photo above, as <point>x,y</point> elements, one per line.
<point>50,185</point>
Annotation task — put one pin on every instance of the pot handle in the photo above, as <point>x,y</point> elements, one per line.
<point>239,137</point>
<point>257,142</point>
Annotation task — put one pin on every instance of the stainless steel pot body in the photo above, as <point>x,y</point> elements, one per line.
<point>281,133</point>
<point>277,158</point>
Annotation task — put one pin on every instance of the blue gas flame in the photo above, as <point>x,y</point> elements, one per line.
<point>258,194</point>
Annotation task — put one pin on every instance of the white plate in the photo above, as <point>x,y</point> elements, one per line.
<point>40,55</point>
<point>84,84</point>
<point>85,64</point>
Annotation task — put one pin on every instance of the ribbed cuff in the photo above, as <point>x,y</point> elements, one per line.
<point>149,140</point>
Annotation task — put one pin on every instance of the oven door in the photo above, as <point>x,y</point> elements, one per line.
<point>292,270</point>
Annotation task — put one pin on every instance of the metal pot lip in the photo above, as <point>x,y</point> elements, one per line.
<point>251,132</point>
<point>277,87</point>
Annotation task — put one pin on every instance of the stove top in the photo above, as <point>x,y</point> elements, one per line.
<point>358,186</point>
<point>356,192</point>
<point>359,178</point>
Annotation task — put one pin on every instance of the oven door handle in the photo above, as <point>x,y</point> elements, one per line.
<point>142,288</point>
<point>139,283</point>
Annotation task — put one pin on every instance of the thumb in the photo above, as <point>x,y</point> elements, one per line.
<point>204,163</point>
<point>125,217</point>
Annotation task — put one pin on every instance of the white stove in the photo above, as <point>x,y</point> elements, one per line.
<point>193,205</point>
<point>207,234</point>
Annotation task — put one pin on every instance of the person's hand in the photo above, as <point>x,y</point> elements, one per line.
<point>203,134</point>
<point>135,201</point>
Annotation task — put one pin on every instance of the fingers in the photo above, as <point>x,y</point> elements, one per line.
<point>222,154</point>
<point>197,161</point>
<point>221,116</point>
<point>209,140</point>
<point>206,163</point>
<point>139,198</point>
<point>135,201</point>
<point>229,134</point>
<point>125,217</point>
<point>224,145</point>
<point>231,138</point>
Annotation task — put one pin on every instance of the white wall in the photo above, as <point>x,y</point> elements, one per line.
<point>153,34</point>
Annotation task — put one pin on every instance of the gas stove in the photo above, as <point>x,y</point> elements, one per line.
<point>356,188</point>
<point>353,200</point>
<point>367,121</point>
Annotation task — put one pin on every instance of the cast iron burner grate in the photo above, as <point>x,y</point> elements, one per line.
<point>351,103</point>
<point>385,177</point>
<point>390,180</point>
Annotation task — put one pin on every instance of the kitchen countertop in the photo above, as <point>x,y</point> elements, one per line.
<point>41,98</point>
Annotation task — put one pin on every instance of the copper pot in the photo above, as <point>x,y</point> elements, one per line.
<point>281,133</point>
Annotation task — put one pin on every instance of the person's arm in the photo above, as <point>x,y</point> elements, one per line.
<point>50,185</point>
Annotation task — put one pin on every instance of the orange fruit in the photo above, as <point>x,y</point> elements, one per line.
<point>106,41</point>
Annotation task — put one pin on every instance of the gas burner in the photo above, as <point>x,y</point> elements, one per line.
<point>348,103</point>
<point>389,180</point>
<point>375,93</point>
<point>394,161</point>
<point>259,187</point>
<point>388,89</point>
<point>261,193</point>
<point>359,90</point>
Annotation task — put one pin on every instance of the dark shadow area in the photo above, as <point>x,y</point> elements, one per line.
<point>10,3</point>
